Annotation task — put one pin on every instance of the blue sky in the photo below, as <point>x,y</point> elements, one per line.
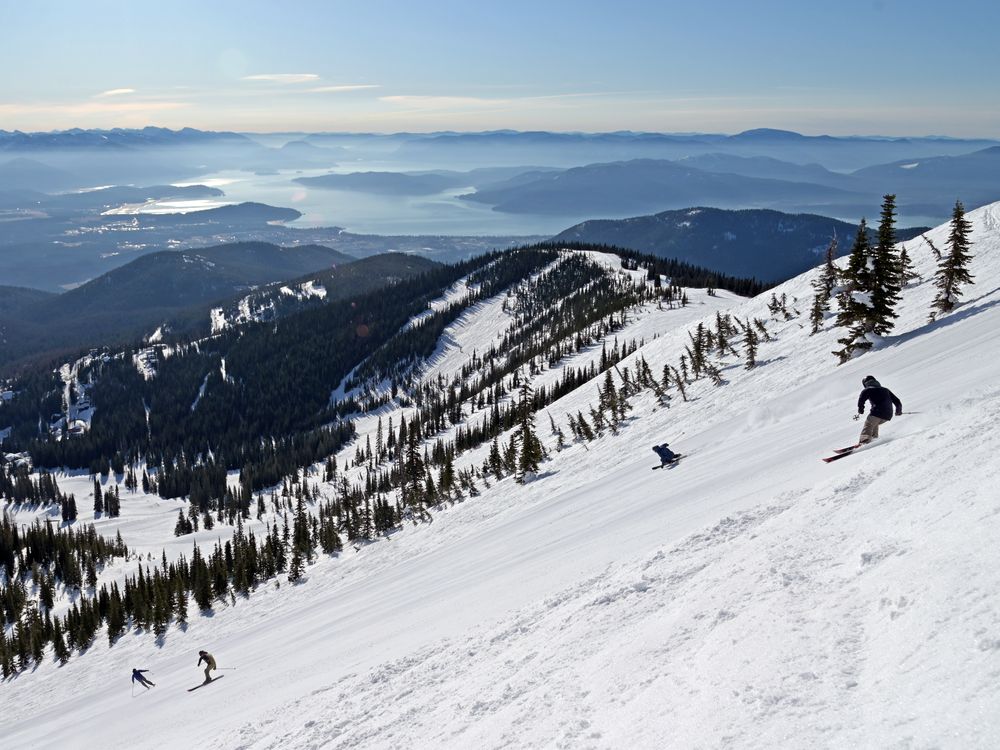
<point>846,67</point>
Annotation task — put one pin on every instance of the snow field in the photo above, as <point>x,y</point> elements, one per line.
<point>750,597</point>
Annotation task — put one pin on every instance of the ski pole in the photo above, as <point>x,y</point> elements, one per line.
<point>223,669</point>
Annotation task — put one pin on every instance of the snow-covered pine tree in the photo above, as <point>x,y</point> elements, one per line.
<point>953,268</point>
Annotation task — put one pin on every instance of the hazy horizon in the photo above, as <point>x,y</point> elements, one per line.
<point>444,131</point>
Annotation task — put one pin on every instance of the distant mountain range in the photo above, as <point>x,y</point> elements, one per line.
<point>767,245</point>
<point>647,185</point>
<point>567,149</point>
<point>421,183</point>
<point>923,186</point>
<point>974,178</point>
<point>114,139</point>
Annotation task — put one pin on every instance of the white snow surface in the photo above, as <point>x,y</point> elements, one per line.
<point>749,597</point>
<point>304,290</point>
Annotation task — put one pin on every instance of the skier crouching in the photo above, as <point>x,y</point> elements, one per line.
<point>666,455</point>
<point>882,400</point>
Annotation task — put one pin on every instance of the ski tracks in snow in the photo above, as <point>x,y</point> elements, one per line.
<point>828,617</point>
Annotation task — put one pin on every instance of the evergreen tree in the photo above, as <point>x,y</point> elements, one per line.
<point>412,487</point>
<point>750,342</point>
<point>558,433</point>
<point>296,567</point>
<point>59,643</point>
<point>885,282</point>
<point>906,273</point>
<point>953,268</point>
<point>181,603</point>
<point>532,452</point>
<point>446,480</point>
<point>608,400</point>
<point>823,288</point>
<point>98,499</point>
<point>495,460</point>
<point>586,432</point>
<point>854,298</point>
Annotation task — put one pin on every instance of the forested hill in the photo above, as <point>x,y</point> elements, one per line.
<point>15,298</point>
<point>769,245</point>
<point>322,287</point>
<point>166,287</point>
<point>274,379</point>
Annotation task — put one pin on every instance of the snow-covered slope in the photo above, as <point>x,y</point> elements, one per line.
<point>751,596</point>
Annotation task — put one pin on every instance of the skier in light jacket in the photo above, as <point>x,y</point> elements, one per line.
<point>209,664</point>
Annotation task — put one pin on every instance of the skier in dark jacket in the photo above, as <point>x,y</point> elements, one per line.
<point>137,677</point>
<point>666,455</point>
<point>882,400</point>
<point>209,663</point>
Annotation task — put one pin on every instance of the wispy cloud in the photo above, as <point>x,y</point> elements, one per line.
<point>342,88</point>
<point>115,92</point>
<point>283,77</point>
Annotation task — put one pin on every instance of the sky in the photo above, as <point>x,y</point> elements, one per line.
<point>891,67</point>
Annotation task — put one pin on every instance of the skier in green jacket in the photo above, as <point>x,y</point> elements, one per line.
<point>209,664</point>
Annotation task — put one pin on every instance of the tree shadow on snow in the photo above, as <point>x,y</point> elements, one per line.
<point>962,312</point>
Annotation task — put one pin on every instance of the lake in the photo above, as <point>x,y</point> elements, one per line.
<point>364,213</point>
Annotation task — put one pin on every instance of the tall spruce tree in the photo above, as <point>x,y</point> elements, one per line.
<point>953,268</point>
<point>532,452</point>
<point>854,297</point>
<point>886,283</point>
